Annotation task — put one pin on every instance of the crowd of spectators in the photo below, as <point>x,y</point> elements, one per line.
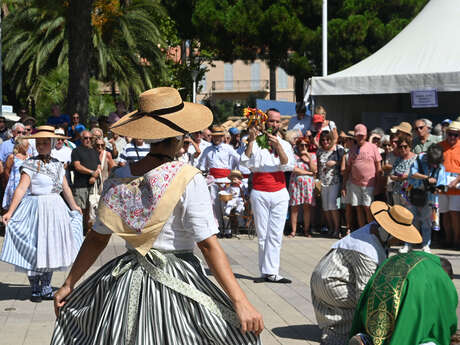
<point>337,174</point>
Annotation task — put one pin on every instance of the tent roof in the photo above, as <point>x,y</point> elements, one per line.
<point>426,54</point>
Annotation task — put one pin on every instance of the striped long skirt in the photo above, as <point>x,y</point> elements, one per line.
<point>42,235</point>
<point>149,300</point>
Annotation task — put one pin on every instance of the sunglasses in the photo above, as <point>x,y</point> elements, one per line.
<point>452,134</point>
<point>305,145</point>
<point>100,145</point>
<point>325,139</point>
<point>386,145</point>
<point>86,138</point>
<point>420,127</point>
<point>403,146</point>
<point>21,132</point>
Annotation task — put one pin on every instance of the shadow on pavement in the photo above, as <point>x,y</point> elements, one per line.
<point>303,332</point>
<point>237,275</point>
<point>14,291</point>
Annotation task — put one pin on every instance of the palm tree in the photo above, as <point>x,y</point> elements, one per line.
<point>126,43</point>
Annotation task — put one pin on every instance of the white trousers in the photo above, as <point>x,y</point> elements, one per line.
<point>217,206</point>
<point>270,210</point>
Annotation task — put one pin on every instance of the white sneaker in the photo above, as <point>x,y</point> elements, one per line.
<point>405,249</point>
<point>426,248</point>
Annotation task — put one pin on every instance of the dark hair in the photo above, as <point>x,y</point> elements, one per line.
<point>272,109</point>
<point>328,135</point>
<point>300,107</point>
<point>405,138</point>
<point>435,154</point>
<point>447,267</point>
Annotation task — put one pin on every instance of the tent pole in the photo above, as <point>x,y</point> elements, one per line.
<point>324,38</point>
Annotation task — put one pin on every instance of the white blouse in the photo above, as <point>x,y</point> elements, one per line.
<point>191,221</point>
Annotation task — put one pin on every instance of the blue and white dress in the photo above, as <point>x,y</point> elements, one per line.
<point>43,234</point>
<point>13,182</point>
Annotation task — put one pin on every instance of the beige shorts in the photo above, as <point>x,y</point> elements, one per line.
<point>81,196</point>
<point>360,196</point>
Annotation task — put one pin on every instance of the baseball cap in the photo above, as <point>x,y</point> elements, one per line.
<point>446,121</point>
<point>360,129</point>
<point>234,131</point>
<point>317,118</point>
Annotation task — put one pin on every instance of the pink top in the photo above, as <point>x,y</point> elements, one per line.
<point>362,161</point>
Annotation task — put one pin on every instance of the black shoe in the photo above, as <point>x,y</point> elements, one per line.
<point>277,279</point>
<point>36,298</point>
<point>228,235</point>
<point>48,297</point>
<point>220,235</point>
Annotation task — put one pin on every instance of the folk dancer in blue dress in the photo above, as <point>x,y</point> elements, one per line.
<point>42,234</point>
<point>157,292</point>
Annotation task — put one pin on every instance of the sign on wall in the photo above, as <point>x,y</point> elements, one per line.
<point>424,98</point>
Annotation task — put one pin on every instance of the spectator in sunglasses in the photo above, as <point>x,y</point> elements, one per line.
<point>423,137</point>
<point>7,147</point>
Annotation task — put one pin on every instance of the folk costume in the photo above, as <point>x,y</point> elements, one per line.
<point>43,235</point>
<point>342,274</point>
<point>269,201</point>
<point>218,161</point>
<point>409,300</point>
<point>237,191</point>
<point>157,292</point>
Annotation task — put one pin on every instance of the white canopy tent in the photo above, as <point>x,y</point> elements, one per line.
<point>425,55</point>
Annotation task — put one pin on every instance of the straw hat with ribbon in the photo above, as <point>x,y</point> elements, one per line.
<point>454,126</point>
<point>404,127</point>
<point>162,114</point>
<point>217,130</point>
<point>397,221</point>
<point>45,132</point>
<point>235,173</point>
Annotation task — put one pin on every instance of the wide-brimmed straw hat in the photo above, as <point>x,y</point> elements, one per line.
<point>217,130</point>
<point>235,173</point>
<point>163,114</point>
<point>45,132</point>
<point>397,221</point>
<point>454,126</point>
<point>404,127</point>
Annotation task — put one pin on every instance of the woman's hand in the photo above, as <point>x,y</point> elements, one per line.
<point>6,217</point>
<point>331,164</point>
<point>250,319</point>
<point>60,296</point>
<point>253,132</point>
<point>77,208</point>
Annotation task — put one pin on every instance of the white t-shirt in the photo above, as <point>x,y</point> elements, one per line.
<point>191,221</point>
<point>63,155</point>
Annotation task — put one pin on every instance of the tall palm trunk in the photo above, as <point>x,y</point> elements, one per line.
<point>79,35</point>
<point>272,82</point>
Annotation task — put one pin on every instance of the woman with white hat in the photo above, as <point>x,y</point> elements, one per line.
<point>157,292</point>
<point>42,234</point>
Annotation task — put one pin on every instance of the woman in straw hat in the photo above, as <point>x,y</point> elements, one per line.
<point>42,234</point>
<point>157,292</point>
<point>341,275</point>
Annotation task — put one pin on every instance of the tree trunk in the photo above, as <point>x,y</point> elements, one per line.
<point>299,86</point>
<point>272,82</point>
<point>79,37</point>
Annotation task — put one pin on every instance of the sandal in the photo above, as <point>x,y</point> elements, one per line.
<point>291,235</point>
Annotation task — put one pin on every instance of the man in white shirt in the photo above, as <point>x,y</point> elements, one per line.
<point>218,160</point>
<point>197,137</point>
<point>269,196</point>
<point>62,153</point>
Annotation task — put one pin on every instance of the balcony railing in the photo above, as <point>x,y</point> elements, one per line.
<point>239,85</point>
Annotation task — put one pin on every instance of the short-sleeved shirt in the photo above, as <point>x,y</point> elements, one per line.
<point>45,178</point>
<point>56,121</point>
<point>302,125</point>
<point>452,161</point>
<point>133,153</point>
<point>362,161</point>
<point>87,157</point>
<point>78,129</point>
<point>419,147</point>
<point>7,147</point>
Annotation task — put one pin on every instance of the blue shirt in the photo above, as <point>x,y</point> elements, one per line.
<point>56,121</point>
<point>425,169</point>
<point>7,148</point>
<point>302,125</point>
<point>78,129</point>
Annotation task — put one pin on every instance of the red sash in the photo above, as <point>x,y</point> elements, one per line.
<point>268,181</point>
<point>219,173</point>
<point>246,175</point>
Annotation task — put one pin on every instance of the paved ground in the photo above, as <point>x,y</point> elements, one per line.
<point>287,309</point>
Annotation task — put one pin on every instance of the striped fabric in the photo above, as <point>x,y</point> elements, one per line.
<point>133,153</point>
<point>336,285</point>
<point>43,234</point>
<point>97,312</point>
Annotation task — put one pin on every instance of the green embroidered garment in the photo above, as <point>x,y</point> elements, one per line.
<point>410,300</point>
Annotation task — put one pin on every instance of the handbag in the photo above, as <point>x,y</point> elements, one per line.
<point>95,194</point>
<point>419,196</point>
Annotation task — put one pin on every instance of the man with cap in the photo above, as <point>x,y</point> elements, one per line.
<point>218,159</point>
<point>235,137</point>
<point>301,122</point>
<point>449,203</point>
<point>269,197</point>
<point>363,167</point>
<point>342,274</point>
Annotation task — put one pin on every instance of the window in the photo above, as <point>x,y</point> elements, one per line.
<point>255,76</point>
<point>228,76</point>
<point>282,78</point>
